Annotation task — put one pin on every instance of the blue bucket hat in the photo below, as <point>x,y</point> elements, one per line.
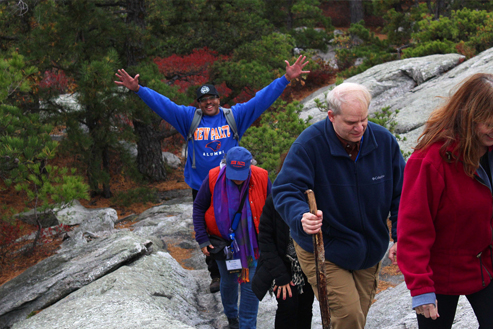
<point>238,160</point>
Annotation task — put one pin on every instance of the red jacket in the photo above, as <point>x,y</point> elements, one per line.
<point>444,227</point>
<point>257,193</point>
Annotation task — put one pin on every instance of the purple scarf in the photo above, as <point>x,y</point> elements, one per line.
<point>227,198</point>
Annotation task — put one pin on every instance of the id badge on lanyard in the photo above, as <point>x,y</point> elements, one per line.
<point>232,265</point>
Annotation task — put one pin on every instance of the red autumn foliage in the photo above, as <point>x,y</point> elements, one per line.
<point>245,95</point>
<point>55,79</point>
<point>10,235</point>
<point>48,234</point>
<point>320,76</point>
<point>192,70</point>
<point>188,70</point>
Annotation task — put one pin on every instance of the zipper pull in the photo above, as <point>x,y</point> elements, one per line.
<point>481,266</point>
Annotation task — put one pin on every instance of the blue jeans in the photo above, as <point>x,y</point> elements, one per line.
<point>229,296</point>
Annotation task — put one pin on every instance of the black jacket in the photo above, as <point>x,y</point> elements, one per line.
<point>273,240</point>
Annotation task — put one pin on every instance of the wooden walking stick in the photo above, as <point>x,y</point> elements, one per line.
<point>319,251</point>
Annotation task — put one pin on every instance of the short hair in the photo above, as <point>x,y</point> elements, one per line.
<point>347,92</point>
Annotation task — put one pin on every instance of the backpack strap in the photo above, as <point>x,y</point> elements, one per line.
<point>230,118</point>
<point>195,123</point>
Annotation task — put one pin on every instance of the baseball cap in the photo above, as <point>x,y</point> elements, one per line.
<point>238,160</point>
<point>206,90</point>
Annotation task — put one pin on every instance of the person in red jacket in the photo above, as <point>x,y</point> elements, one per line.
<point>445,225</point>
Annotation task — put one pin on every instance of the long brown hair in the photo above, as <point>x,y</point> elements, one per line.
<point>455,122</point>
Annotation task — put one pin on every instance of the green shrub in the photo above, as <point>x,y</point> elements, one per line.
<point>310,38</point>
<point>466,30</point>
<point>369,60</point>
<point>386,118</point>
<point>483,38</point>
<point>434,30</point>
<point>278,129</point>
<point>400,25</point>
<point>468,21</point>
<point>137,195</point>
<point>359,42</point>
<point>430,48</point>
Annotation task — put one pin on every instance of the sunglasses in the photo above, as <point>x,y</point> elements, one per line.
<point>205,99</point>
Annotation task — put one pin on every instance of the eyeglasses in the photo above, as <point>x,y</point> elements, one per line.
<point>208,98</point>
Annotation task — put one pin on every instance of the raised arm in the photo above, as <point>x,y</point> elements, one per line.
<point>246,113</point>
<point>295,70</point>
<point>127,81</point>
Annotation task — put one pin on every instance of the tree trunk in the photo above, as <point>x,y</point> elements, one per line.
<point>93,161</point>
<point>430,8</point>
<point>150,157</point>
<point>289,15</point>
<point>398,7</point>
<point>357,12</point>
<point>133,46</point>
<point>106,168</point>
<point>439,8</point>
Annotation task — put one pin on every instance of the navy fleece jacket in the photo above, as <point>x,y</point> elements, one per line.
<point>355,197</point>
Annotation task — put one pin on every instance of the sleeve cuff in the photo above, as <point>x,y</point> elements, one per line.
<point>283,280</point>
<point>424,299</point>
<point>204,244</point>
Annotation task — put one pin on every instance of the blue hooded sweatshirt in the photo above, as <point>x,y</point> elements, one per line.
<point>213,137</point>
<point>355,197</point>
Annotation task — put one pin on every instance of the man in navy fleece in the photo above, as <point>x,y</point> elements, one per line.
<point>213,137</point>
<point>355,168</point>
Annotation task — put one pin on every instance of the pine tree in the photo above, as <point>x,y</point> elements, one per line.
<point>78,38</point>
<point>26,147</point>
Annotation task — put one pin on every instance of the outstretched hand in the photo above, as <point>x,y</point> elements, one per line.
<point>127,81</point>
<point>295,70</point>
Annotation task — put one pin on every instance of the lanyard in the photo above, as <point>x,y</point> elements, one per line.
<point>237,217</point>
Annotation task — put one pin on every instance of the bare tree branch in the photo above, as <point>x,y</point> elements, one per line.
<point>20,7</point>
<point>6,37</point>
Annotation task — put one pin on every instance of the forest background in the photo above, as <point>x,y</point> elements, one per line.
<point>53,48</point>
